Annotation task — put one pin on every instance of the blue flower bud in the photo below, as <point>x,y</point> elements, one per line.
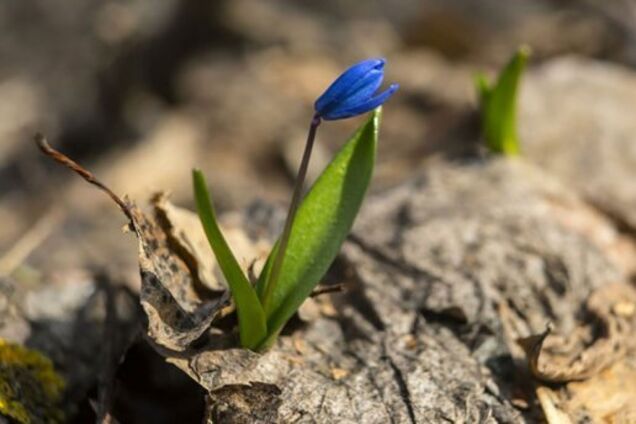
<point>353,92</point>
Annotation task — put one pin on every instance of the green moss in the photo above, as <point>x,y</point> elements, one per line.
<point>30,389</point>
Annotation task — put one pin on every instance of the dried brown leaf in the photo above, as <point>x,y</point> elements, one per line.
<point>176,313</point>
<point>608,397</point>
<point>591,348</point>
<point>184,230</point>
<point>171,291</point>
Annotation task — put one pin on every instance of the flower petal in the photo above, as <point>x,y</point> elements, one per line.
<point>361,108</point>
<point>360,92</point>
<point>338,90</point>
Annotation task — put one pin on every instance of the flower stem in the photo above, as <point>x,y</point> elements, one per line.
<point>293,207</point>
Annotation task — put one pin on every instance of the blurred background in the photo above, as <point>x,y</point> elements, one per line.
<point>141,91</point>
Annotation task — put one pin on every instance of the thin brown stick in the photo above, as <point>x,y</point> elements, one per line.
<point>61,158</point>
<point>329,289</point>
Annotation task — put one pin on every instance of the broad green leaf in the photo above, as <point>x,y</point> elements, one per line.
<point>251,317</point>
<point>322,223</point>
<point>499,105</point>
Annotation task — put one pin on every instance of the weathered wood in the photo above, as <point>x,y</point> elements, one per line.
<point>445,272</point>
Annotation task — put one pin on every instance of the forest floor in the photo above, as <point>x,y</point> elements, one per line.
<point>474,288</point>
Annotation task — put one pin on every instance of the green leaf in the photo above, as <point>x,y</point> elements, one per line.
<point>499,105</point>
<point>483,87</point>
<point>322,223</point>
<point>251,317</point>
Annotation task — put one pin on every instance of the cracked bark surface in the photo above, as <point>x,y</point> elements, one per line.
<point>444,273</point>
<point>452,278</point>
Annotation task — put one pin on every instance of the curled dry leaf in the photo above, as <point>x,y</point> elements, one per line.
<point>589,349</point>
<point>607,397</point>
<point>175,300</point>
<point>214,369</point>
<point>170,289</point>
<point>183,291</point>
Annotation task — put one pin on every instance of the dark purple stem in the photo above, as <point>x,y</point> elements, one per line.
<point>293,207</point>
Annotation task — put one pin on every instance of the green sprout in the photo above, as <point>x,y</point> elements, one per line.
<point>316,225</point>
<point>321,223</point>
<point>499,105</point>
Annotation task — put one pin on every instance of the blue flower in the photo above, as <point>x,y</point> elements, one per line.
<point>353,92</point>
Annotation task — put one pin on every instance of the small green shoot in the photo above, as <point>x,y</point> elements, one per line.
<point>316,225</point>
<point>251,317</point>
<point>499,105</point>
